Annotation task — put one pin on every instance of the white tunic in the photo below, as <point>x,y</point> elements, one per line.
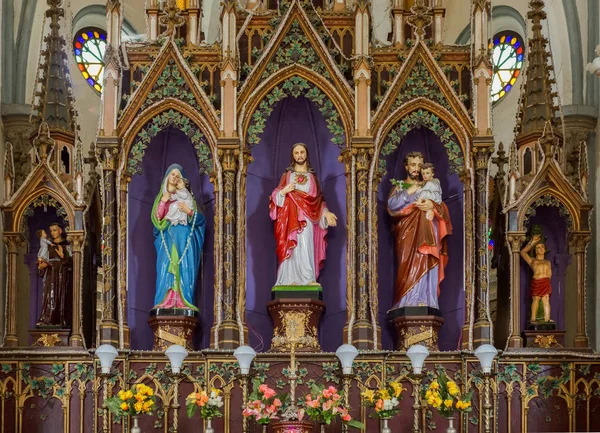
<point>299,268</point>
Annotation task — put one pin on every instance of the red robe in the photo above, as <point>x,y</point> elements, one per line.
<point>291,218</point>
<point>417,248</point>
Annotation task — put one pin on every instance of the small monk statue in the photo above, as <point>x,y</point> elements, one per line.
<point>541,287</point>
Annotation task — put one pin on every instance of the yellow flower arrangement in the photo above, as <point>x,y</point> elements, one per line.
<point>384,400</point>
<point>444,395</point>
<point>138,400</point>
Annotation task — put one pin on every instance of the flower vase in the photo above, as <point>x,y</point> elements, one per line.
<point>264,428</point>
<point>384,426</point>
<point>209,428</point>
<point>322,427</point>
<point>135,428</point>
<point>450,428</point>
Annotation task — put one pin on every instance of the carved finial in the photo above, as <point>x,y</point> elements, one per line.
<point>537,101</point>
<point>584,174</point>
<point>171,18</point>
<point>549,142</point>
<point>54,102</point>
<point>500,160</point>
<point>9,171</point>
<point>43,144</point>
<point>420,18</point>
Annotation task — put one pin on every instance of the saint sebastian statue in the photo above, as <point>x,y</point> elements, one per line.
<point>541,287</point>
<point>301,221</point>
<point>57,274</point>
<point>420,238</point>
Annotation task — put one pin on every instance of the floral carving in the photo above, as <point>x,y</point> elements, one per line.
<point>46,201</point>
<point>296,87</point>
<point>170,84</point>
<point>418,119</point>
<point>420,84</point>
<point>157,124</point>
<point>295,48</point>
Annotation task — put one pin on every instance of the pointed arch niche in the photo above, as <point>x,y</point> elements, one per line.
<point>415,132</point>
<point>168,138</point>
<point>293,119</point>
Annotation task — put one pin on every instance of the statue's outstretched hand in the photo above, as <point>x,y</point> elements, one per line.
<point>331,219</point>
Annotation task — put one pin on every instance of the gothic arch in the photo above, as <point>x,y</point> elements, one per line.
<point>20,211</point>
<point>297,80</point>
<point>169,112</point>
<point>424,112</point>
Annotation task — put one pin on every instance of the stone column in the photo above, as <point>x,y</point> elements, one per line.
<point>122,260</point>
<point>225,328</point>
<point>515,240</point>
<point>482,150</point>
<point>109,154</point>
<point>76,238</point>
<point>12,241</point>
<point>579,242</point>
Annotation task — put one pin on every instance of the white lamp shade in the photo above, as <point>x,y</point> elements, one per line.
<point>486,354</point>
<point>244,356</point>
<point>417,354</point>
<point>107,354</point>
<point>346,354</point>
<point>176,355</point>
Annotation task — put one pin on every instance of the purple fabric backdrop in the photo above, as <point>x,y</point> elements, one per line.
<point>168,147</point>
<point>292,121</point>
<point>555,230</point>
<point>452,296</point>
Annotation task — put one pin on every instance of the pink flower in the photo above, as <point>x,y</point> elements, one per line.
<point>346,417</point>
<point>300,414</point>
<point>313,403</point>
<point>266,391</point>
<point>332,390</point>
<point>336,397</point>
<point>327,405</point>
<point>326,393</point>
<point>277,402</point>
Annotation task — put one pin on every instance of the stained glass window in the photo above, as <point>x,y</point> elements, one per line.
<point>507,56</point>
<point>89,46</point>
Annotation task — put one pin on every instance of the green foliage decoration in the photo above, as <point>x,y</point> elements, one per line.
<point>156,125</point>
<point>170,84</point>
<point>418,119</point>
<point>295,87</point>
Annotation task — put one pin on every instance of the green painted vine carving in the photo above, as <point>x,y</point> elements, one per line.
<point>420,84</point>
<point>295,48</point>
<point>550,201</point>
<point>170,84</point>
<point>418,119</point>
<point>46,201</point>
<point>157,124</point>
<point>296,87</point>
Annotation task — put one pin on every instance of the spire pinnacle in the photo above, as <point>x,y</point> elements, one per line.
<point>54,103</point>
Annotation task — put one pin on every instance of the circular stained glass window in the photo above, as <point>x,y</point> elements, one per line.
<point>89,46</point>
<point>508,54</point>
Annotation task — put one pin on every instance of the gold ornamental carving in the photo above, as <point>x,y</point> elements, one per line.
<point>48,340</point>
<point>295,330</point>
<point>168,335</point>
<point>546,341</point>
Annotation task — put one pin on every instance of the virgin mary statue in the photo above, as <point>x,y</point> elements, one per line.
<point>179,232</point>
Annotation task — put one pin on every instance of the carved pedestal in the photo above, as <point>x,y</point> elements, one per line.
<point>292,427</point>
<point>296,319</point>
<point>544,339</point>
<point>49,336</point>
<point>417,325</point>
<point>173,326</point>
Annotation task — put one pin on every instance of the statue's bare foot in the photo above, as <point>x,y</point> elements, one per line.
<point>314,283</point>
